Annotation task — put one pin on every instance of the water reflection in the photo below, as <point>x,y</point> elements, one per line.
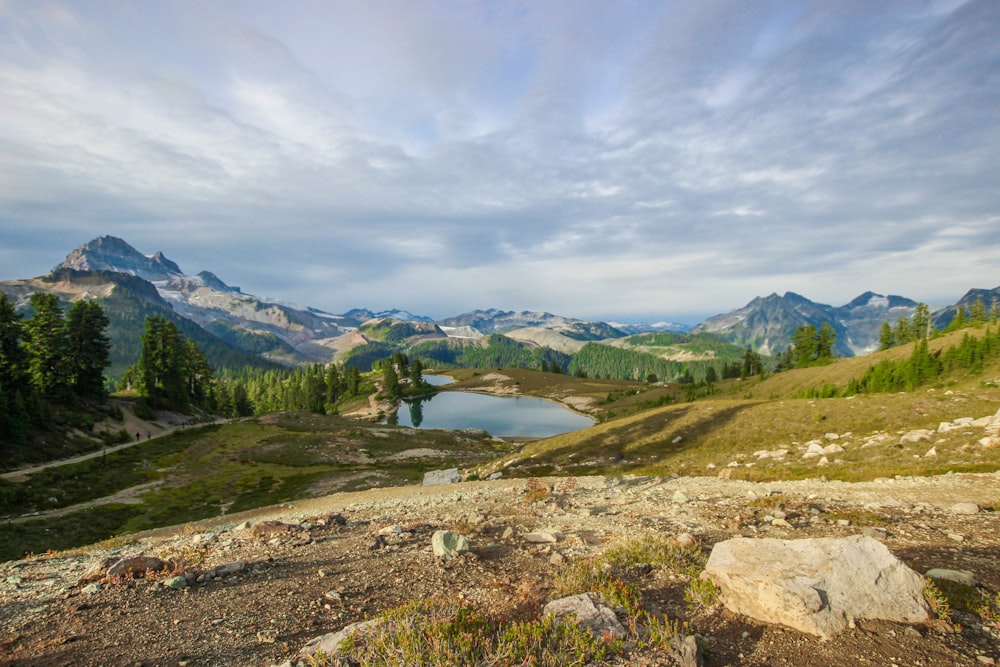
<point>417,412</point>
<point>518,416</point>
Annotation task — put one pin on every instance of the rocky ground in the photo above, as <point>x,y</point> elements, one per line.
<point>244,590</point>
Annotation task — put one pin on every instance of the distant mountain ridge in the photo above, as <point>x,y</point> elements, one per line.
<point>767,323</point>
<point>225,318</point>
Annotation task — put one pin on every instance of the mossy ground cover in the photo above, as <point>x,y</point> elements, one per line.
<point>211,470</point>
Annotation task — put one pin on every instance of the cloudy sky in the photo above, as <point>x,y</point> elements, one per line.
<point>615,159</point>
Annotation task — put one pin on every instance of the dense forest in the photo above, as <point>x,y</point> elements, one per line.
<point>52,368</point>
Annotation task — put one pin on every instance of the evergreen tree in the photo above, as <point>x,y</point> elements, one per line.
<point>752,364</point>
<point>903,332</point>
<point>88,348</point>
<point>417,373</point>
<point>162,376</point>
<point>958,321</point>
<point>46,347</point>
<point>885,338</point>
<point>334,383</point>
<point>390,382</point>
<point>920,323</point>
<point>11,354</point>
<point>826,338</point>
<point>804,344</point>
<point>198,374</point>
<point>977,312</point>
<point>352,382</point>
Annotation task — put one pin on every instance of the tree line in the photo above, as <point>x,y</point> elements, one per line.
<point>50,358</point>
<point>920,326</point>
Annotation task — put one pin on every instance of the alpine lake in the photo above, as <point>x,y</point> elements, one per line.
<point>504,416</point>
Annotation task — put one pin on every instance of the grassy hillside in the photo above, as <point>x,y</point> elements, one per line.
<point>726,430</point>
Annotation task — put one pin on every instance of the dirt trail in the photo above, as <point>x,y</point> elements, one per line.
<point>165,424</point>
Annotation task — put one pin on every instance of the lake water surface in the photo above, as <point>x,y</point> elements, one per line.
<point>511,416</point>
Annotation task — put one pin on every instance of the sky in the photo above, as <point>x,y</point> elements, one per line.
<point>619,159</point>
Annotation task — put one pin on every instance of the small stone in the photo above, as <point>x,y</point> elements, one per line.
<point>448,544</point>
<point>272,528</point>
<point>965,508</point>
<point>956,537</point>
<point>540,537</point>
<point>876,533</point>
<point>985,660</point>
<point>680,497</point>
<point>507,533</point>
<point>685,651</point>
<point>686,540</point>
<point>136,566</point>
<point>328,645</point>
<point>90,589</point>
<point>931,452</point>
<point>324,572</point>
<point>589,611</point>
<point>958,576</point>
<point>228,568</point>
<point>177,583</point>
<point>557,558</point>
<point>333,596</point>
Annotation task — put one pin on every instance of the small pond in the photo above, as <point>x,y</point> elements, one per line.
<point>437,380</point>
<point>510,416</point>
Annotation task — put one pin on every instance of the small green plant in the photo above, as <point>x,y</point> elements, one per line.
<point>969,600</point>
<point>857,518</point>
<point>447,632</point>
<point>937,601</point>
<point>701,593</point>
<point>656,551</point>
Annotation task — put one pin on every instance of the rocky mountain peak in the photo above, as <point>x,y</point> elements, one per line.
<point>110,253</point>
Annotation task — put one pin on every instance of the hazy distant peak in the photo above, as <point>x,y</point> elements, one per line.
<point>209,279</point>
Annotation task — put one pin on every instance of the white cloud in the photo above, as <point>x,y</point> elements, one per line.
<point>673,158</point>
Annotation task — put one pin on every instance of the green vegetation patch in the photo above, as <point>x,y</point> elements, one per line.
<point>63,532</point>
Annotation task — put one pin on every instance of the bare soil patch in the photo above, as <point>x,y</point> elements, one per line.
<point>321,575</point>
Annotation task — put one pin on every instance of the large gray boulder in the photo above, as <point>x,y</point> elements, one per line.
<point>818,586</point>
<point>435,477</point>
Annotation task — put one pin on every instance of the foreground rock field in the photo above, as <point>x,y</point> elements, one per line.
<point>253,589</point>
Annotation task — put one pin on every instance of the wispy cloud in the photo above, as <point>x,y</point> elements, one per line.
<point>668,159</point>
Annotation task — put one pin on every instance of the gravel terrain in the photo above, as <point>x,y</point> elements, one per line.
<point>345,557</point>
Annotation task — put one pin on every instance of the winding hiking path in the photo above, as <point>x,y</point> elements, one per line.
<point>137,427</point>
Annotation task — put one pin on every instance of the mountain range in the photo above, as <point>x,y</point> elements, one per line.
<point>246,329</point>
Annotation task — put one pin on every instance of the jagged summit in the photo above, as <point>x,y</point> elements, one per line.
<point>110,253</point>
